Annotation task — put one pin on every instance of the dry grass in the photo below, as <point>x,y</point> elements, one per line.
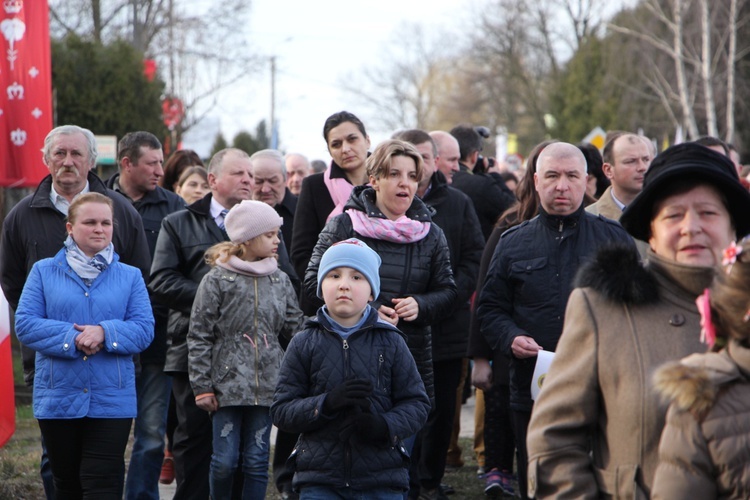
<point>19,460</point>
<point>19,466</point>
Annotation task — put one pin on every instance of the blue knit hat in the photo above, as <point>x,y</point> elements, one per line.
<point>355,254</point>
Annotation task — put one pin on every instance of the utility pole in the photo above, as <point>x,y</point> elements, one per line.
<point>273,103</point>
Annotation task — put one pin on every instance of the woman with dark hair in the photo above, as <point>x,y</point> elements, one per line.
<point>193,184</point>
<point>324,195</point>
<point>597,181</point>
<point>596,424</point>
<point>176,164</point>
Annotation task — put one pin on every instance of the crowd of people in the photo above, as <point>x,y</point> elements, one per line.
<point>197,306</point>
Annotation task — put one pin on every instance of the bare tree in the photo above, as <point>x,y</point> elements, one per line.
<point>203,51</point>
<point>701,73</point>
<point>404,91</point>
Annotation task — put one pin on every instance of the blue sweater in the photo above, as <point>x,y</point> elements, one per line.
<point>69,384</point>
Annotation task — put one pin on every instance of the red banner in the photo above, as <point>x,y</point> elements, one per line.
<point>7,396</point>
<point>25,91</point>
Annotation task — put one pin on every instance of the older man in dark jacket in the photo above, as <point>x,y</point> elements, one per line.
<point>523,301</point>
<point>175,275</point>
<point>35,228</point>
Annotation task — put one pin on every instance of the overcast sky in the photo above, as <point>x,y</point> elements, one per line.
<point>315,44</point>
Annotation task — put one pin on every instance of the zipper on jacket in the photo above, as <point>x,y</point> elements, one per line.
<point>381,362</point>
<point>407,272</point>
<point>347,371</point>
<point>255,322</point>
<point>561,226</point>
<point>347,446</point>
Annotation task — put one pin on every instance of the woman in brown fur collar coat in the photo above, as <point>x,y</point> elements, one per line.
<point>595,427</point>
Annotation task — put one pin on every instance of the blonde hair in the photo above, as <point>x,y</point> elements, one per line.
<point>226,249</point>
<point>88,198</point>
<point>379,163</point>
<point>223,251</point>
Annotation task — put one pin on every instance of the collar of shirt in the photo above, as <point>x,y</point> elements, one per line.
<point>60,202</point>
<point>216,209</point>
<point>617,202</point>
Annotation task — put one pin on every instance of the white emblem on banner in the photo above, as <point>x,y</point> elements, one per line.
<point>13,31</point>
<point>33,72</point>
<point>15,91</point>
<point>13,6</point>
<point>36,113</point>
<point>18,137</point>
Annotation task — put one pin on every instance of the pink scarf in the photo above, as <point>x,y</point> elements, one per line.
<point>401,230</point>
<point>262,267</point>
<point>340,189</point>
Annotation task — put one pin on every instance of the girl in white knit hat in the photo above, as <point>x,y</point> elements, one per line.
<point>242,306</point>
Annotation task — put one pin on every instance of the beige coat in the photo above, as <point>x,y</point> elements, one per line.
<point>606,207</point>
<point>595,428</point>
<point>704,450</point>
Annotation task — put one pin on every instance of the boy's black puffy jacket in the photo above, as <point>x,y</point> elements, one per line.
<point>318,360</point>
<point>421,270</point>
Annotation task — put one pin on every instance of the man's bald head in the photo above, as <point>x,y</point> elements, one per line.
<point>448,153</point>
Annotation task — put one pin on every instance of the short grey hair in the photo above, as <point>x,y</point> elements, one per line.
<point>562,151</point>
<point>217,160</point>
<point>70,130</point>
<point>271,154</point>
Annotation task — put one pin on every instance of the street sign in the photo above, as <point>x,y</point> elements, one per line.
<point>596,137</point>
<point>106,147</point>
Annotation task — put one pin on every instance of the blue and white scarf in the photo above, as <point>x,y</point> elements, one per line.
<point>84,266</point>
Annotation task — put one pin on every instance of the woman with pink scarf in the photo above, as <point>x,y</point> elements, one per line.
<point>323,196</point>
<point>416,278</point>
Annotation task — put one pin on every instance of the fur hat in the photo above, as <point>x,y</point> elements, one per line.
<point>249,219</point>
<point>699,165</point>
<point>355,254</point>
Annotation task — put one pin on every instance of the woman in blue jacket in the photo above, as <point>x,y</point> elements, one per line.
<point>86,315</point>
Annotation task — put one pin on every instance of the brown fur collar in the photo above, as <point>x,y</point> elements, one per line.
<point>694,383</point>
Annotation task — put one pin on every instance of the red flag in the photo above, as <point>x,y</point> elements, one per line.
<point>25,91</point>
<point>7,396</point>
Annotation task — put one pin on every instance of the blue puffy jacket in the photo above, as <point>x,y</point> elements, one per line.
<point>69,384</point>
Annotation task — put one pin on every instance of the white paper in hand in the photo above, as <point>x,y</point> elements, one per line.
<point>543,360</point>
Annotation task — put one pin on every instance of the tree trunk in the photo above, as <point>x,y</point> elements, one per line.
<point>688,117</point>
<point>708,91</point>
<point>731,56</point>
<point>96,13</point>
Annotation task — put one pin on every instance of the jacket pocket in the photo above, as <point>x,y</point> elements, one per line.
<point>531,280</point>
<point>528,266</point>
<point>384,380</point>
<point>620,483</point>
<point>226,360</point>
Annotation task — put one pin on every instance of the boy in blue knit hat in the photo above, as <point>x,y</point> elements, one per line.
<point>350,387</point>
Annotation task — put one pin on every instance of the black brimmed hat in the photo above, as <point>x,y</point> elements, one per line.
<point>696,163</point>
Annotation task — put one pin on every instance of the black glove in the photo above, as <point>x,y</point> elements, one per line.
<point>351,393</point>
<point>366,427</point>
